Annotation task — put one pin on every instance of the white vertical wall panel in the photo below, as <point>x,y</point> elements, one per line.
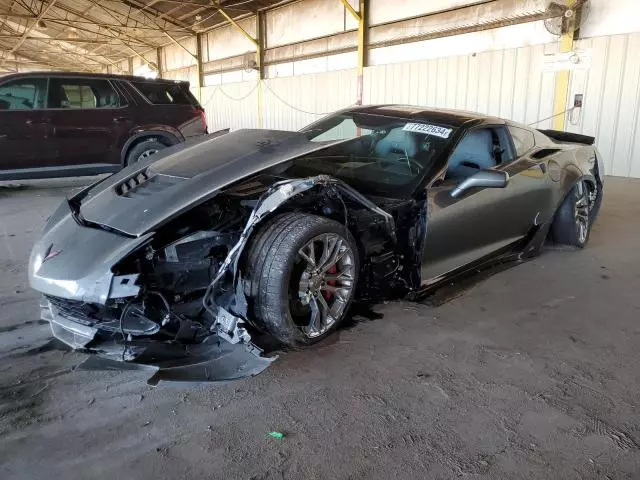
<point>290,103</point>
<point>611,111</point>
<point>227,41</point>
<point>188,74</point>
<point>306,20</point>
<point>232,105</point>
<point>150,55</point>
<point>513,36</point>
<point>382,11</point>
<point>607,17</point>
<point>505,83</point>
<point>177,57</point>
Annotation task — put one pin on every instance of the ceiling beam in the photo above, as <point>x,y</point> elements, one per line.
<point>140,8</point>
<point>28,30</point>
<point>87,21</point>
<point>80,15</point>
<point>46,62</point>
<point>60,39</point>
<point>236,25</point>
<point>56,46</point>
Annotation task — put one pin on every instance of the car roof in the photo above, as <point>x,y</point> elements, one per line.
<point>89,75</point>
<point>454,118</point>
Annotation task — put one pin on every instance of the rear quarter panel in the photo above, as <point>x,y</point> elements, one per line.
<point>575,162</point>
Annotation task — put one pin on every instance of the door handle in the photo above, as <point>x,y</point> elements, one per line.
<point>120,119</point>
<point>30,121</point>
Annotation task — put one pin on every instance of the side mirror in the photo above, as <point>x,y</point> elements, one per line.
<point>482,179</point>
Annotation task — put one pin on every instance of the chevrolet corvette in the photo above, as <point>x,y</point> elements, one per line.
<point>198,250</point>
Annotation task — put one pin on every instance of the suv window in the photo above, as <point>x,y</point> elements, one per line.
<point>522,139</point>
<point>166,94</point>
<point>23,94</point>
<point>82,93</point>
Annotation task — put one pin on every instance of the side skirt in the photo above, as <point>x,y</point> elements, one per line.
<point>452,284</point>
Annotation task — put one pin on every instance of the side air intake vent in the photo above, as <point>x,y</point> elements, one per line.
<point>146,183</point>
<point>544,153</point>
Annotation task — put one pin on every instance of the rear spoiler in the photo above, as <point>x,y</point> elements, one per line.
<point>568,137</point>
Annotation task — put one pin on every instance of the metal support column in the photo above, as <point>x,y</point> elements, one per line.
<point>562,77</point>
<point>261,34</point>
<point>159,63</point>
<point>199,65</point>
<point>361,17</point>
<point>258,43</point>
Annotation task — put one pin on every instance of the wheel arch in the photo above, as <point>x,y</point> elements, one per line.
<point>167,137</point>
<point>284,197</point>
<point>307,203</point>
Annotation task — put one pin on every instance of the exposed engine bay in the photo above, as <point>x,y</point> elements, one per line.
<point>184,288</point>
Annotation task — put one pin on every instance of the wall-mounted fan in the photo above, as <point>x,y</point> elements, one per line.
<point>572,14</point>
<point>249,63</point>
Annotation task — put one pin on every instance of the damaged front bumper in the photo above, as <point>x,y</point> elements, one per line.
<point>213,360</point>
<point>69,331</point>
<point>89,305</point>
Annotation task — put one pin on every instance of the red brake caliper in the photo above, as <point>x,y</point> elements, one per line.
<point>329,295</point>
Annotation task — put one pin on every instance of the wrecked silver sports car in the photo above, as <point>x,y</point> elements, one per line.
<point>192,254</point>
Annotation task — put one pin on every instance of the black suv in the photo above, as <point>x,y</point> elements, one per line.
<point>68,124</point>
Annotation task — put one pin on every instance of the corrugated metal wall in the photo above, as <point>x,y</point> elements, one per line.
<point>505,83</point>
<point>233,105</point>
<point>290,103</point>
<point>611,111</point>
<point>508,83</point>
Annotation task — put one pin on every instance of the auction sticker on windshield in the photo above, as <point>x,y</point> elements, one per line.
<point>434,130</point>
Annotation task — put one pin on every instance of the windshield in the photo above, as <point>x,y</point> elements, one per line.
<point>377,155</point>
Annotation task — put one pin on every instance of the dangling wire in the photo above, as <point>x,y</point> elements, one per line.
<point>569,110</point>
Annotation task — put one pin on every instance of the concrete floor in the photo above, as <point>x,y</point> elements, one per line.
<point>533,373</point>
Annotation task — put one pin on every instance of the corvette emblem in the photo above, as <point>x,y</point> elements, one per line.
<point>51,253</point>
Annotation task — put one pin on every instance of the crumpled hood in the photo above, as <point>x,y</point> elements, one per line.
<point>143,196</point>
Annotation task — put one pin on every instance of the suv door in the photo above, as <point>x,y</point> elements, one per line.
<point>26,139</point>
<point>465,229</point>
<point>89,120</point>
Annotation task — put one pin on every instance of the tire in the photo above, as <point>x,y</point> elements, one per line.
<point>572,223</point>
<point>144,149</point>
<point>295,303</point>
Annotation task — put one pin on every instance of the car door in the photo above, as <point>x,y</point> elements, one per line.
<point>531,182</point>
<point>464,229</point>
<point>89,120</point>
<point>26,139</point>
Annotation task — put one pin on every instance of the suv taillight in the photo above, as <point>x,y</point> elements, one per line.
<point>203,118</point>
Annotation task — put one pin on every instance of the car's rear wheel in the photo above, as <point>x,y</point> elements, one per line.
<point>144,149</point>
<point>302,274</point>
<point>572,223</point>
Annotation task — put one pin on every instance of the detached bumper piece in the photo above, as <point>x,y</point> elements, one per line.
<point>213,360</point>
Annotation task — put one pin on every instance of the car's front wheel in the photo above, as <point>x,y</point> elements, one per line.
<point>302,273</point>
